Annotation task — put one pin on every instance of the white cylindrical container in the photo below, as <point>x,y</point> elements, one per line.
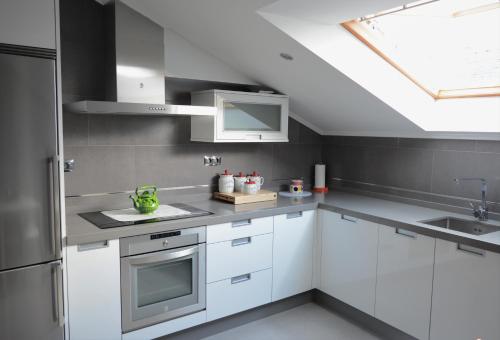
<point>250,188</point>
<point>259,180</point>
<point>239,182</point>
<point>319,178</point>
<point>226,183</point>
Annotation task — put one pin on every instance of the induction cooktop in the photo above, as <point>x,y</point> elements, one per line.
<point>104,222</point>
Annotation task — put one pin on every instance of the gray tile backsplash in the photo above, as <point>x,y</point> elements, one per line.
<point>118,153</point>
<point>417,168</point>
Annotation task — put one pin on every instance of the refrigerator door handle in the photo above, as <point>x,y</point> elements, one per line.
<point>53,213</point>
<point>57,306</point>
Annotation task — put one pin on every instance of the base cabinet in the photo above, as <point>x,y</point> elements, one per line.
<point>466,294</point>
<point>94,291</point>
<point>293,253</point>
<point>404,280</point>
<point>239,293</point>
<point>349,259</point>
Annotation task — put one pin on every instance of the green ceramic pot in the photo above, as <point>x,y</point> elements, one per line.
<point>145,199</point>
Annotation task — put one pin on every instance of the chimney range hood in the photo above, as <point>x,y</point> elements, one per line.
<point>135,69</point>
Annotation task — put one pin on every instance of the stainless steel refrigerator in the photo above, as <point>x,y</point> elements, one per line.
<point>30,241</point>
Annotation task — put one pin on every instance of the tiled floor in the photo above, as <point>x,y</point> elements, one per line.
<point>306,322</point>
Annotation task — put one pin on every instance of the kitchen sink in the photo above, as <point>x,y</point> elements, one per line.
<point>464,226</point>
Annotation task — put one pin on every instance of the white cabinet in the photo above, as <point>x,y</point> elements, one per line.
<point>239,293</point>
<point>293,253</point>
<point>466,293</point>
<point>239,262</point>
<point>239,256</point>
<point>404,280</point>
<point>94,291</point>
<point>241,117</point>
<point>349,259</point>
<point>28,23</point>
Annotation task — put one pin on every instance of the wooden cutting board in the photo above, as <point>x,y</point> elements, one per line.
<point>241,198</point>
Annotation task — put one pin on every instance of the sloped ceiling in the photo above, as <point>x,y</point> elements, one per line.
<point>321,96</point>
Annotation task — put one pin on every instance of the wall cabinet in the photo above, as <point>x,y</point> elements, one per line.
<point>293,253</point>
<point>94,291</point>
<point>349,259</point>
<point>466,293</point>
<point>28,23</point>
<point>404,280</point>
<point>241,117</point>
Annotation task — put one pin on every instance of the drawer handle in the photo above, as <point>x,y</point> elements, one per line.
<point>241,278</point>
<point>345,218</point>
<point>470,250</point>
<point>93,246</point>
<point>294,215</point>
<point>241,223</point>
<point>241,241</point>
<point>407,233</point>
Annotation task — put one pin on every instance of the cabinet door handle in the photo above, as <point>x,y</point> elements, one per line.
<point>241,278</point>
<point>241,223</point>
<point>294,215</point>
<point>241,241</point>
<point>93,246</point>
<point>406,233</point>
<point>348,219</point>
<point>470,250</point>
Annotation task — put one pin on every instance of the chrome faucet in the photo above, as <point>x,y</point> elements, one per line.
<point>479,211</point>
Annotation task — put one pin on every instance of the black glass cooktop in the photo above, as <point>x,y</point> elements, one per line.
<point>102,221</point>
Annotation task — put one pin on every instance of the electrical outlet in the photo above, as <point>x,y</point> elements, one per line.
<point>212,160</point>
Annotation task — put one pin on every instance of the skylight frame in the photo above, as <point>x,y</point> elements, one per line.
<point>355,28</point>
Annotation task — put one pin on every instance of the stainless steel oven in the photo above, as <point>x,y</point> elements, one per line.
<point>162,276</point>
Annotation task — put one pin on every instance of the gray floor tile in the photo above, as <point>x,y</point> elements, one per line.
<point>308,321</point>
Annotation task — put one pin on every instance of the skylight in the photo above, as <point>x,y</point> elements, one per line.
<point>448,48</point>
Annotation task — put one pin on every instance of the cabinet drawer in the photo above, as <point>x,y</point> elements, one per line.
<point>239,229</point>
<point>238,293</point>
<point>239,256</point>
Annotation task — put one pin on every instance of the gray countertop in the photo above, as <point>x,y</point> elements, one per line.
<point>376,210</point>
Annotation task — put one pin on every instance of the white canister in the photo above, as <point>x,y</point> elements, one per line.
<point>239,182</point>
<point>259,180</point>
<point>250,188</point>
<point>226,182</point>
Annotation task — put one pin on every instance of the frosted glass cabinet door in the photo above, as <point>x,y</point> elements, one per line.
<point>252,116</point>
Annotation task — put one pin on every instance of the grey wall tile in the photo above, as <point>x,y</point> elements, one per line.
<point>450,165</point>
<point>293,131</point>
<point>75,129</point>
<point>437,144</point>
<point>345,162</point>
<point>100,169</point>
<point>332,140</point>
<point>295,161</point>
<point>370,141</point>
<point>172,166</point>
<point>308,136</point>
<point>247,158</point>
<point>488,146</point>
<point>135,130</point>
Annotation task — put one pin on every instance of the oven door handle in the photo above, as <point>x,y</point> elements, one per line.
<point>148,259</point>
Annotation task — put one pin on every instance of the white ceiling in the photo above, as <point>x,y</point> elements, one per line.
<point>234,32</point>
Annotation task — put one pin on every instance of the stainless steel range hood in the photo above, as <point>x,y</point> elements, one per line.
<point>135,69</point>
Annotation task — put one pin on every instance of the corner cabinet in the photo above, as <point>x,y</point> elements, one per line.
<point>293,251</point>
<point>349,259</point>
<point>240,117</point>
